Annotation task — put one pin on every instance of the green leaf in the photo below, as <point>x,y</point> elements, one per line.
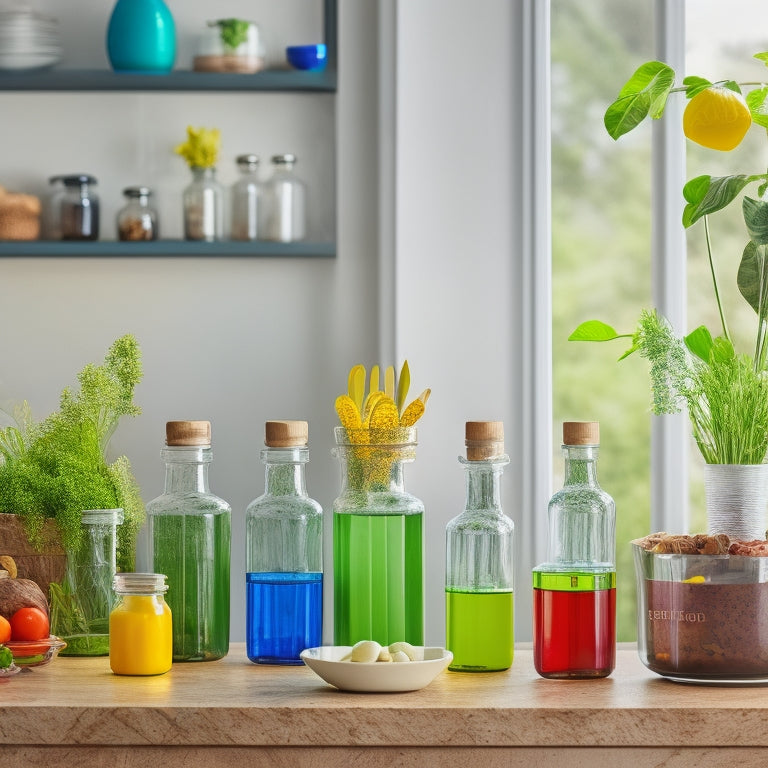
<point>757,101</point>
<point>762,57</point>
<point>707,194</point>
<point>731,85</point>
<point>756,219</point>
<point>595,330</point>
<point>752,277</point>
<point>645,93</point>
<point>632,349</point>
<point>694,85</point>
<point>722,350</point>
<point>699,343</point>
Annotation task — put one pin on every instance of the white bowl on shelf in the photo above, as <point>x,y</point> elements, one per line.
<point>377,676</point>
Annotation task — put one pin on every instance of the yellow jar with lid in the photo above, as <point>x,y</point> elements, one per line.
<point>140,627</point>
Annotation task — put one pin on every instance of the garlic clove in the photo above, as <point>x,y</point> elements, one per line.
<point>413,653</point>
<point>399,656</point>
<point>365,651</point>
<point>384,655</point>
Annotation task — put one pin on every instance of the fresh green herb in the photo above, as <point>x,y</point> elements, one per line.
<point>6,657</point>
<point>234,32</point>
<point>57,468</point>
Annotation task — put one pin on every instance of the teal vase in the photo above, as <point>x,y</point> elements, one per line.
<point>141,37</point>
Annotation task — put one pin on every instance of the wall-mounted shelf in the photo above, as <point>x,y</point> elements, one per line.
<point>226,248</point>
<point>107,80</point>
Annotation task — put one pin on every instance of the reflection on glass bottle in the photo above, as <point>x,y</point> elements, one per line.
<point>286,196</point>
<point>247,200</point>
<point>204,206</point>
<point>574,593</point>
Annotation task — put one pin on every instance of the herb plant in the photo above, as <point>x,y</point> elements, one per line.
<point>233,32</point>
<point>56,468</point>
<point>726,393</point>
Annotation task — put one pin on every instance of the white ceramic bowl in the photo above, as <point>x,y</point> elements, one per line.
<point>377,676</point>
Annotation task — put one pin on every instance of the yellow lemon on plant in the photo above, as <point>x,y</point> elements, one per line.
<point>717,118</point>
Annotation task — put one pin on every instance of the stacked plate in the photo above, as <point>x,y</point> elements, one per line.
<point>28,40</point>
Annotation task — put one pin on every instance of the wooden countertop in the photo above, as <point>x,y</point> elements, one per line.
<point>231,710</point>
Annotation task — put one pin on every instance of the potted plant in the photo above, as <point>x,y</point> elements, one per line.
<point>54,469</point>
<point>725,391</point>
<point>703,599</point>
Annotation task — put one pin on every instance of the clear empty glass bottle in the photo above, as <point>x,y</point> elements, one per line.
<point>137,219</point>
<point>80,607</point>
<point>140,635</point>
<point>247,200</point>
<point>378,540</point>
<point>78,208</point>
<point>286,198</point>
<point>189,541</point>
<point>574,593</point>
<point>203,203</point>
<point>479,578</point>
<point>284,551</point>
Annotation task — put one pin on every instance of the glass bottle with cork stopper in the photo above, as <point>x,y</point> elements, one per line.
<point>284,549</point>
<point>189,541</point>
<point>479,580</point>
<point>574,593</point>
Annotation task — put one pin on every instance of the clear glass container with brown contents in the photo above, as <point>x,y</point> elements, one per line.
<point>137,219</point>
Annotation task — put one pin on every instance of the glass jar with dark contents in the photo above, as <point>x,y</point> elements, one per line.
<point>78,208</point>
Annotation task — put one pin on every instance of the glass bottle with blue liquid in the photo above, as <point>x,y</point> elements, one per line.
<point>283,560</point>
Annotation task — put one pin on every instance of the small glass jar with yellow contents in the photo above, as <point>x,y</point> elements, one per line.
<point>140,631</point>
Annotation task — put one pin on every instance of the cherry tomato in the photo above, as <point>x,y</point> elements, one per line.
<point>5,630</point>
<point>29,624</point>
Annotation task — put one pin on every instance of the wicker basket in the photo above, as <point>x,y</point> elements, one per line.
<point>19,216</point>
<point>42,566</point>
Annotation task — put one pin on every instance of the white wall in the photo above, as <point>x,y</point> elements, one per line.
<point>236,341</point>
<point>457,258</point>
<point>239,341</point>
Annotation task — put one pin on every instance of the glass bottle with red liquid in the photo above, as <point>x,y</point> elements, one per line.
<point>574,593</point>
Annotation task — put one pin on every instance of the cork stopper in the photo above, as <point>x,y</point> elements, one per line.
<point>484,439</point>
<point>188,433</point>
<point>581,433</point>
<point>286,434</point>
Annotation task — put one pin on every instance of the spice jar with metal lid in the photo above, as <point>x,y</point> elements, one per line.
<point>137,219</point>
<point>140,636</point>
<point>286,196</point>
<point>247,200</point>
<point>78,208</point>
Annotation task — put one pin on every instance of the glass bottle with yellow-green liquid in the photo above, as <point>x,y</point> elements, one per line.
<point>479,585</point>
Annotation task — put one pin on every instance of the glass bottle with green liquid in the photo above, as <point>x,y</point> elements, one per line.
<point>189,542</point>
<point>574,593</point>
<point>479,579</point>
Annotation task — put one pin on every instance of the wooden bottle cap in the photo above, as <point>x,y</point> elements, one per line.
<point>188,433</point>
<point>484,439</point>
<point>286,434</point>
<point>581,433</point>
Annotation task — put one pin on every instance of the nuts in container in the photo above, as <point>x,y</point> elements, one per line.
<point>137,220</point>
<point>19,216</point>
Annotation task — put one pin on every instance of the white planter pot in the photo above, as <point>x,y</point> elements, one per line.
<point>737,499</point>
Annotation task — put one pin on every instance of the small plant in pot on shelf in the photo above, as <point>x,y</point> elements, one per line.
<point>57,468</point>
<point>725,391</point>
